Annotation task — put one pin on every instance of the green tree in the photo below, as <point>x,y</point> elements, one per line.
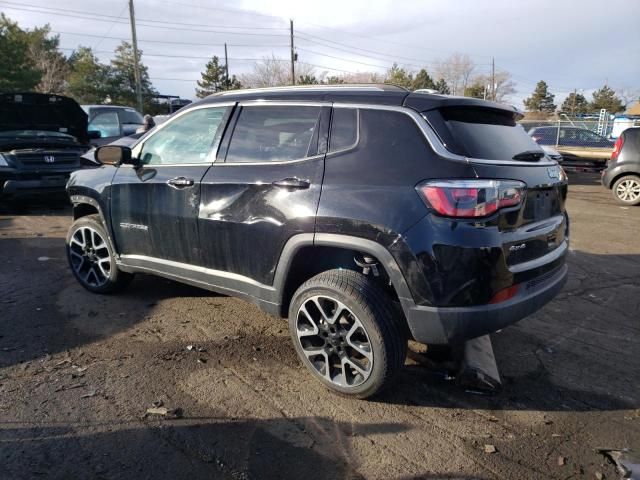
<point>541,100</point>
<point>334,80</point>
<point>423,80</point>
<point>399,76</point>
<point>17,71</point>
<point>89,81</point>
<point>475,90</point>
<point>606,98</point>
<point>123,83</point>
<point>46,57</point>
<point>214,79</point>
<point>442,87</point>
<point>307,80</point>
<point>575,103</point>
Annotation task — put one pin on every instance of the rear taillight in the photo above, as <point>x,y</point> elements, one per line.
<point>471,198</point>
<point>616,148</point>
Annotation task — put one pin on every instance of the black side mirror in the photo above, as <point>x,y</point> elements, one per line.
<point>94,134</point>
<point>113,155</point>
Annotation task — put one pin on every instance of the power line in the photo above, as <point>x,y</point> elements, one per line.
<point>142,22</point>
<point>206,44</point>
<point>110,27</point>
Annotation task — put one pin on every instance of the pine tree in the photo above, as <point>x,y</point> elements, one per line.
<point>574,104</point>
<point>214,79</point>
<point>89,80</point>
<point>423,80</point>
<point>123,83</point>
<point>399,76</point>
<point>541,100</point>
<point>442,87</point>
<point>18,71</point>
<point>477,90</point>
<point>606,98</point>
<point>307,80</point>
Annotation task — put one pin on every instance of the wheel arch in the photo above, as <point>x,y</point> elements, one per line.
<point>333,251</point>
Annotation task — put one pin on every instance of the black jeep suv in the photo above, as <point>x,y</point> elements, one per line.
<point>364,214</point>
<point>42,137</point>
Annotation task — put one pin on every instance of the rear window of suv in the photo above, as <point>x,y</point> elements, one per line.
<point>480,132</point>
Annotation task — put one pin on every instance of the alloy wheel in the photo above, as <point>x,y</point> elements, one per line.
<point>90,256</point>
<point>628,190</point>
<point>334,341</point>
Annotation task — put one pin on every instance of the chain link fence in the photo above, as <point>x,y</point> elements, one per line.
<point>584,143</point>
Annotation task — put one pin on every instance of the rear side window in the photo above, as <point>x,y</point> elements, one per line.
<point>274,134</point>
<point>344,129</point>
<point>481,132</point>
<point>129,116</point>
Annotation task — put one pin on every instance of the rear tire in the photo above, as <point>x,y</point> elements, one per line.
<point>91,257</point>
<point>344,331</point>
<point>626,190</point>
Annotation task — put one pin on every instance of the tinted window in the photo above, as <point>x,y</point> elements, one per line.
<point>482,133</point>
<point>273,133</point>
<point>129,116</point>
<point>187,139</point>
<point>344,128</point>
<point>106,123</point>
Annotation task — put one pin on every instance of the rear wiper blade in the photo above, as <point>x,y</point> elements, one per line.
<point>529,155</point>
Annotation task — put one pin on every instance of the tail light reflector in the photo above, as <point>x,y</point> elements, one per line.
<point>616,148</point>
<point>505,294</point>
<point>471,198</point>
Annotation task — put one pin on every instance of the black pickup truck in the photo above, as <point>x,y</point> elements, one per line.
<point>42,137</point>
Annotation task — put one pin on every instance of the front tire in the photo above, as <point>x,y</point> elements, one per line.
<point>626,190</point>
<point>91,257</point>
<point>344,331</point>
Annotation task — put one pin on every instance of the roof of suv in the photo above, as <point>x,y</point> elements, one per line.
<point>379,94</point>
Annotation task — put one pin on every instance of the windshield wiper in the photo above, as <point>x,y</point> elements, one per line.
<point>529,155</point>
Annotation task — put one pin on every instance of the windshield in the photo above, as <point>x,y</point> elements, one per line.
<point>36,133</point>
<point>482,133</point>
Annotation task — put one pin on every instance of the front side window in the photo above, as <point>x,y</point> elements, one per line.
<point>344,129</point>
<point>106,123</point>
<point>189,138</point>
<point>274,134</point>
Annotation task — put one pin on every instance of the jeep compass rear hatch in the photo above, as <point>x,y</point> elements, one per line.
<point>526,187</point>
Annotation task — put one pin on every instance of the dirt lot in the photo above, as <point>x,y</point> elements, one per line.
<point>78,371</point>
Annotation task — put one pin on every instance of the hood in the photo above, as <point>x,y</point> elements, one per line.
<point>40,111</point>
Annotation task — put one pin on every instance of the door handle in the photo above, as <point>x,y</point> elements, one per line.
<point>180,182</point>
<point>292,182</point>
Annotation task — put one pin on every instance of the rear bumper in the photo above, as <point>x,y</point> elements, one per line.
<point>447,325</point>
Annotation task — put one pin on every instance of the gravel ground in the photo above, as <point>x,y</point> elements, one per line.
<point>78,372</point>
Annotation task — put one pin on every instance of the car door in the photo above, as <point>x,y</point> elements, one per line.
<point>107,122</point>
<point>264,186</point>
<point>154,205</point>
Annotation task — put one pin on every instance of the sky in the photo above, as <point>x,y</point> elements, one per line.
<point>571,45</point>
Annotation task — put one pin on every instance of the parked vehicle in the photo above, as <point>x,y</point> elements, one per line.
<point>112,122</point>
<point>340,208</point>
<point>41,139</point>
<point>622,175</point>
<point>575,144</point>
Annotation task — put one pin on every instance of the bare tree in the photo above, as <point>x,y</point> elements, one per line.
<point>456,70</point>
<point>629,96</point>
<point>505,86</point>
<point>356,77</point>
<point>274,72</point>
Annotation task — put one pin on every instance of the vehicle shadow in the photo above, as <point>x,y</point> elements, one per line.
<point>577,354</point>
<point>292,448</point>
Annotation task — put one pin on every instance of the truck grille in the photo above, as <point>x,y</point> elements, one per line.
<point>48,159</point>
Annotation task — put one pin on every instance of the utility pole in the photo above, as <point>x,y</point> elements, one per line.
<point>226,66</point>
<point>493,79</point>
<point>136,62</point>
<point>293,57</point>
